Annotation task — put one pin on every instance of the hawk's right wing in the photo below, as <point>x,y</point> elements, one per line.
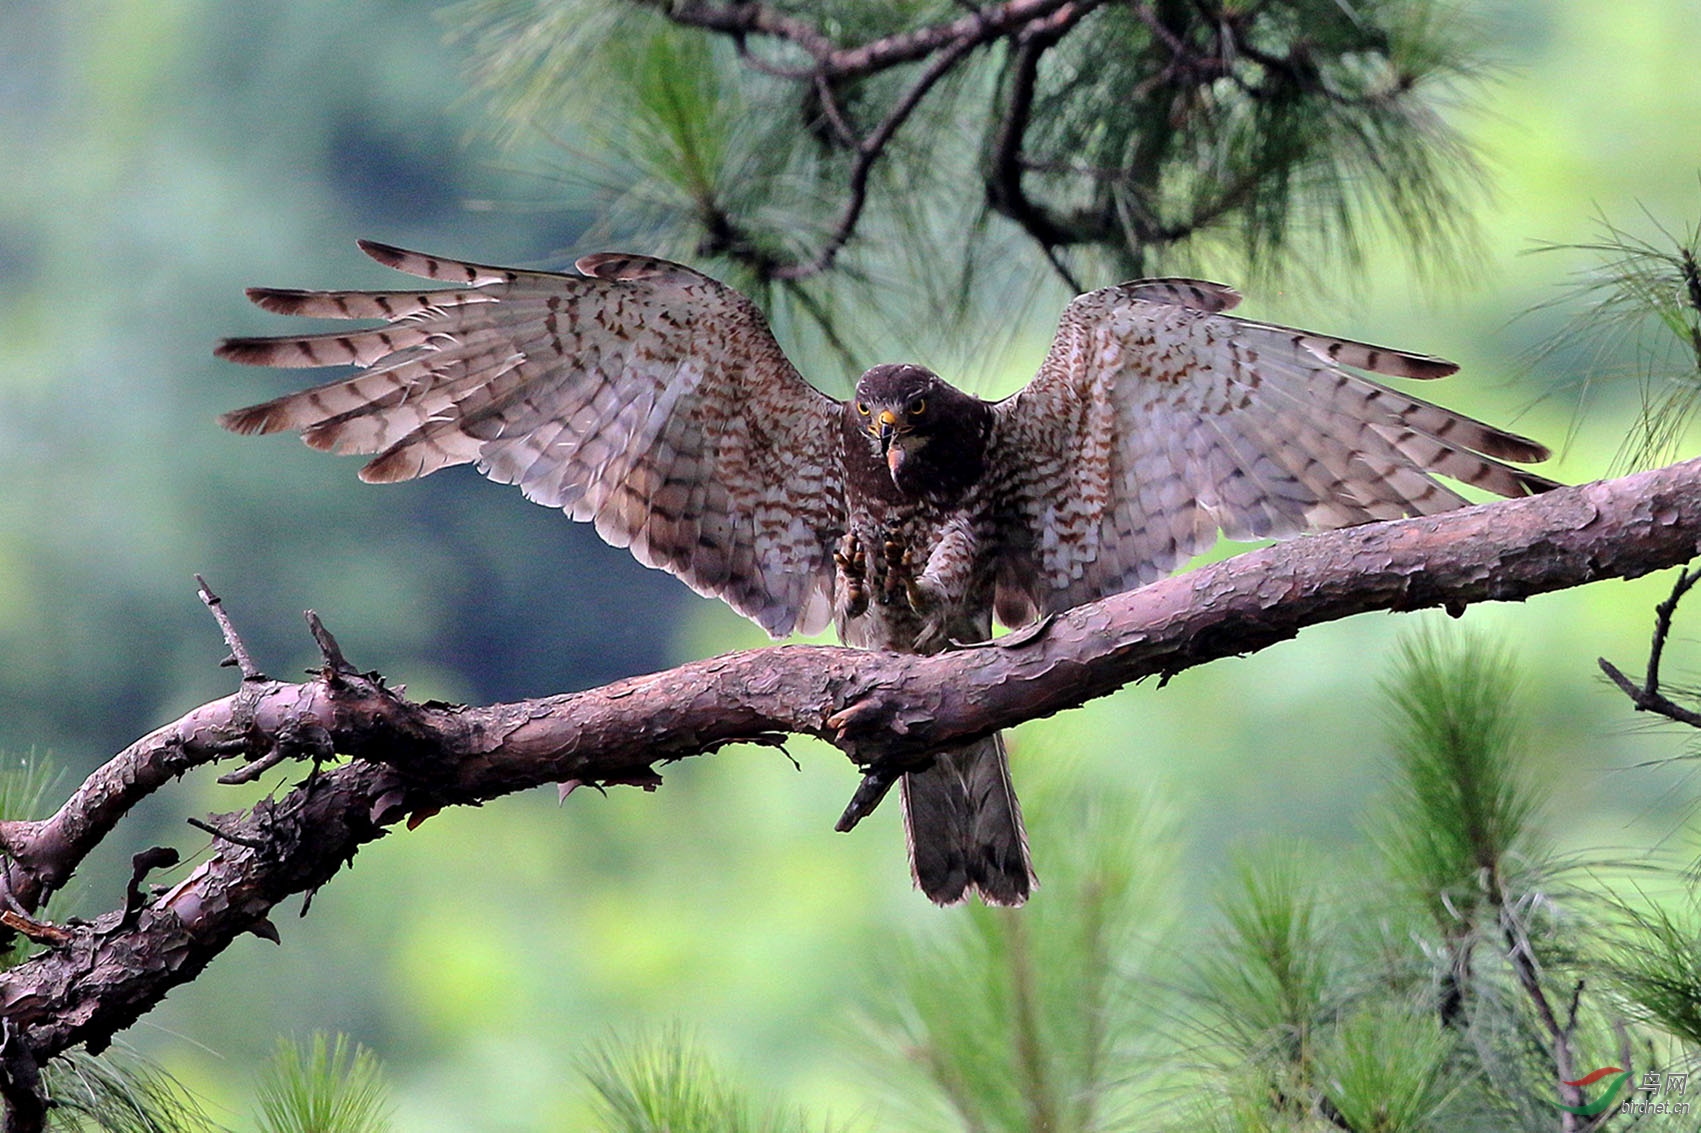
<point>1157,420</point>
<point>641,396</point>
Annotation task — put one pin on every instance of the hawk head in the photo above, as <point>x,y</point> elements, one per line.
<point>930,435</point>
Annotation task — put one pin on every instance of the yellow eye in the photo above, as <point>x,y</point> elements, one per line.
<point>862,408</point>
<point>918,407</point>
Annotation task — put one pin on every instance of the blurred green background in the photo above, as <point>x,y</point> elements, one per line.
<point>156,158</point>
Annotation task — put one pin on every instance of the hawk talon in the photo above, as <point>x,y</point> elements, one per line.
<point>892,578</point>
<point>851,716</point>
<point>853,576</point>
<point>922,597</point>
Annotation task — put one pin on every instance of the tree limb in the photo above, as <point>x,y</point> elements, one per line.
<point>884,710</point>
<point>837,63</point>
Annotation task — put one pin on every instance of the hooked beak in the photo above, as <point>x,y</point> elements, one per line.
<point>885,427</point>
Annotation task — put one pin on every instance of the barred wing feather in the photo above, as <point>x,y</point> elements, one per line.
<point>1158,420</point>
<point>639,395</point>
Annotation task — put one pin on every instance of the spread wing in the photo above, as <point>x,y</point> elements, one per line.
<point>640,395</point>
<point>1157,420</point>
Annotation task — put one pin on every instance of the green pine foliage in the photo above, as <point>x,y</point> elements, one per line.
<point>1248,138</point>
<point>1390,1070</point>
<point>1306,1023</point>
<point>664,1083</point>
<point>1268,982</point>
<point>26,784</point>
<point>1655,962</point>
<point>1043,1017</point>
<point>1644,290</point>
<point>118,1093</point>
<point>1457,979</point>
<point>1461,812</point>
<point>323,1085</point>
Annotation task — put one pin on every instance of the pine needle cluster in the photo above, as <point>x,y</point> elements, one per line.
<point>808,155</point>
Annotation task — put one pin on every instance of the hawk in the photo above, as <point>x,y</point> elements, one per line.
<point>654,402</point>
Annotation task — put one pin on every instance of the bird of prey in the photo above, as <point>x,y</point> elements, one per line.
<point>650,400</point>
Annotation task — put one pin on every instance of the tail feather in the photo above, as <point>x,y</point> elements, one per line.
<point>964,827</point>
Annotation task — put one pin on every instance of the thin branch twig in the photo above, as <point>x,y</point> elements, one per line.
<point>238,651</point>
<point>225,835</point>
<point>1647,696</point>
<point>868,152</point>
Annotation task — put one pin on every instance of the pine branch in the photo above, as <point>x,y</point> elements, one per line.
<point>835,63</point>
<point>868,151</point>
<point>885,711</point>
<point>1004,190</point>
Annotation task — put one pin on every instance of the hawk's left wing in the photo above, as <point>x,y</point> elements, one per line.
<point>1157,420</point>
<point>640,395</point>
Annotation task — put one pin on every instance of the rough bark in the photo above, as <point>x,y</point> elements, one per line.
<point>92,979</point>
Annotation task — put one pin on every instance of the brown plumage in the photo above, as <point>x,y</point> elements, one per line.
<point>654,402</point>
